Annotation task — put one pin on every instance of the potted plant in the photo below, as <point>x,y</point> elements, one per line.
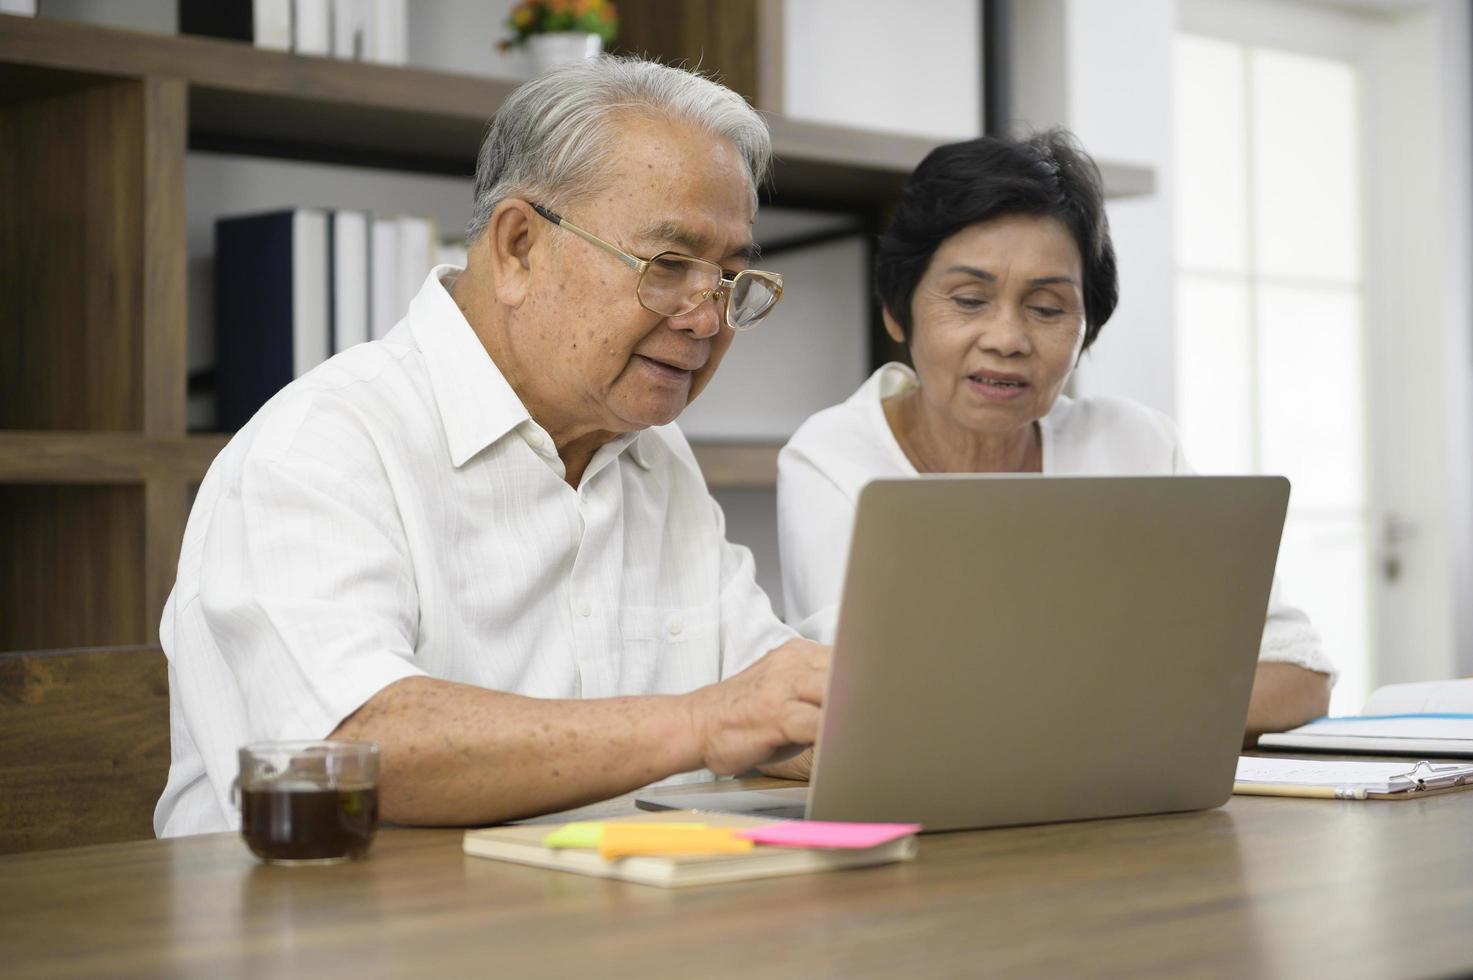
<point>559,31</point>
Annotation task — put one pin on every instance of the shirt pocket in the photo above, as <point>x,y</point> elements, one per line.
<point>668,649</point>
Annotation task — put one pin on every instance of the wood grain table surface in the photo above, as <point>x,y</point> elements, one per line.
<point>1262,887</point>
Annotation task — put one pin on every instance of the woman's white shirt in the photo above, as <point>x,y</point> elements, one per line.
<point>836,452</point>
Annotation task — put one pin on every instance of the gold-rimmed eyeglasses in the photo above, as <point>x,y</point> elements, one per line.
<point>673,284</point>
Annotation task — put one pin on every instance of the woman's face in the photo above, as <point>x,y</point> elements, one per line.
<point>997,323</point>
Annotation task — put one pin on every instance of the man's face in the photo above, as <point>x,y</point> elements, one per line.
<point>610,362</point>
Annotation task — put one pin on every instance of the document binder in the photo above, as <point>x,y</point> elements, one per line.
<point>1350,780</point>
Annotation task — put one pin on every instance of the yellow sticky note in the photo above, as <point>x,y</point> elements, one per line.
<point>584,833</point>
<point>589,833</point>
<point>626,840</point>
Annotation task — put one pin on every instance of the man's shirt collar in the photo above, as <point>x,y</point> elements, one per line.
<point>477,405</point>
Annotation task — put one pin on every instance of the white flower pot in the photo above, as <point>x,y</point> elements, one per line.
<point>558,48</point>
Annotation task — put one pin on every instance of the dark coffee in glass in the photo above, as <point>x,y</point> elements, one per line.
<point>308,802</point>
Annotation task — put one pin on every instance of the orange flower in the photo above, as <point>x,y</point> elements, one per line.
<point>558,6</point>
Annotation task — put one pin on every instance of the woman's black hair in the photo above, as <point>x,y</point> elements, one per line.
<point>961,184</point>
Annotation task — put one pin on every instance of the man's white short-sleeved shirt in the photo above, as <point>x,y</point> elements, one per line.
<point>396,512</point>
<point>836,452</point>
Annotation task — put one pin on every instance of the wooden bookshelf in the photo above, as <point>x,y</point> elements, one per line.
<point>96,465</point>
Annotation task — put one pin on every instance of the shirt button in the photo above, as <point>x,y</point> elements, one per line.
<point>536,439</point>
<point>585,609</point>
<point>675,626</point>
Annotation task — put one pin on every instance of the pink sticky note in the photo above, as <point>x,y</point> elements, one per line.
<point>817,833</point>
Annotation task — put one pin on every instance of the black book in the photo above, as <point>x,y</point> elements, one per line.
<point>273,316</point>
<point>264,23</point>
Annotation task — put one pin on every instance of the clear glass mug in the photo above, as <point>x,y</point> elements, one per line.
<point>308,802</point>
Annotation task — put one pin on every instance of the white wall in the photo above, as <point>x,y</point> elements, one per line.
<point>1454,30</point>
<point>1413,58</point>
<point>1103,70</point>
<point>461,36</point>
<point>875,64</point>
<point>1408,284</point>
<point>810,354</point>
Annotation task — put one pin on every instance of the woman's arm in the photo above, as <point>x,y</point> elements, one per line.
<point>1284,696</point>
<point>815,523</point>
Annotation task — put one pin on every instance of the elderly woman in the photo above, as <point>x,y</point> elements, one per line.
<point>997,273</point>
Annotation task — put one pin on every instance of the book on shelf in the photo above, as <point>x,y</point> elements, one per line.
<point>451,253</point>
<point>1432,718</point>
<point>272,306</point>
<point>350,277</point>
<point>294,287</point>
<point>18,8</point>
<point>352,29</point>
<point>384,277</point>
<point>312,27</point>
<point>390,32</point>
<point>404,249</point>
<point>264,23</point>
<point>417,240</point>
<point>355,30</point>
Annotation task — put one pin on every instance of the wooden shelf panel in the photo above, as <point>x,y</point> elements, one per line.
<point>269,103</point>
<point>738,465</point>
<point>101,458</point>
<point>104,457</point>
<point>72,571</point>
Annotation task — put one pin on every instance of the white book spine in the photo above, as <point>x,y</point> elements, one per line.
<point>311,279</point>
<point>384,277</point>
<point>349,279</point>
<point>416,257</point>
<point>452,253</point>
<point>351,28</point>
<point>312,24</point>
<point>18,8</point>
<point>390,32</point>
<point>272,24</point>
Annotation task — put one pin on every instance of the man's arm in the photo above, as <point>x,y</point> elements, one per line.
<point>457,754</point>
<point>1284,696</point>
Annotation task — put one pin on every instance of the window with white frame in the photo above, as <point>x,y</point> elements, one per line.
<point>1269,303</point>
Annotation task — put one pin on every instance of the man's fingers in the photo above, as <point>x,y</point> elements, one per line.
<point>800,723</point>
<point>809,686</point>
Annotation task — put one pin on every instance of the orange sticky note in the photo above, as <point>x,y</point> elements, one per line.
<point>627,840</point>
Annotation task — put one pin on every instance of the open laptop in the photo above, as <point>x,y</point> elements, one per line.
<point>1023,649</point>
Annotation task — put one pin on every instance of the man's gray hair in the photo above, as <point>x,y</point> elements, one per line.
<point>553,137</point>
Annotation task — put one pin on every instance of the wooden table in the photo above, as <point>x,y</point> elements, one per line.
<point>1261,887</point>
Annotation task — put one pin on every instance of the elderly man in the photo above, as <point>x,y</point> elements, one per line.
<point>478,542</point>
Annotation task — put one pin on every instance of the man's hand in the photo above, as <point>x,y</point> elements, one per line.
<point>799,767</point>
<point>766,713</point>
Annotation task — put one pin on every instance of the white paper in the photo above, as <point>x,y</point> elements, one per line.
<point>1424,697</point>
<point>1372,777</point>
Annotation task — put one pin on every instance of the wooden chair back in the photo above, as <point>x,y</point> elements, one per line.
<point>84,746</point>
